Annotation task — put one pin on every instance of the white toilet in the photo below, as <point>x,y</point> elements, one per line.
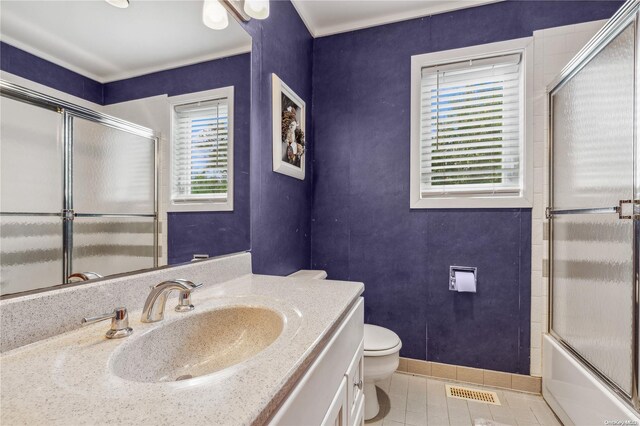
<point>381,358</point>
<point>381,354</point>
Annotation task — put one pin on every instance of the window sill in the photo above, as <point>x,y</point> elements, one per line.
<point>468,202</point>
<point>201,206</point>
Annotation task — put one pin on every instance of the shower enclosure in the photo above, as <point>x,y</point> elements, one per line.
<point>594,212</point>
<point>78,192</point>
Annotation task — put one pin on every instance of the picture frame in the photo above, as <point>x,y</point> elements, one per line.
<point>289,137</point>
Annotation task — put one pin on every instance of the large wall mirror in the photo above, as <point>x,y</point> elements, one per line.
<point>124,139</point>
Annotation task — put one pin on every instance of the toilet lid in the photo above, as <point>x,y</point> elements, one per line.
<point>379,338</point>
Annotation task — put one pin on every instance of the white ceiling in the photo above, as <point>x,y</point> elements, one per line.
<point>105,43</point>
<point>326,17</point>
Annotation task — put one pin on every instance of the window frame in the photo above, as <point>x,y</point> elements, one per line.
<point>469,198</point>
<point>205,204</point>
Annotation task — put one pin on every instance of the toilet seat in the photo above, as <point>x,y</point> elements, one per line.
<point>380,341</point>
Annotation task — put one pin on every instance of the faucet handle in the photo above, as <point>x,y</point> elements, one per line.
<point>119,323</point>
<point>188,283</point>
<point>184,298</point>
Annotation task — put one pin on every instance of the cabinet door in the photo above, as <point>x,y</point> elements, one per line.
<point>358,418</point>
<point>355,383</point>
<point>337,413</point>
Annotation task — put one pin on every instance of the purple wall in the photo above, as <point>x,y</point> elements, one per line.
<point>280,205</point>
<point>26,65</point>
<point>229,71</point>
<point>362,227</point>
<point>214,233</point>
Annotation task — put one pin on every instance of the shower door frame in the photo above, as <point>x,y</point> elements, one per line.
<point>627,14</point>
<point>68,112</point>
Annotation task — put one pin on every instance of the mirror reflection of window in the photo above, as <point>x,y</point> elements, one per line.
<point>201,152</point>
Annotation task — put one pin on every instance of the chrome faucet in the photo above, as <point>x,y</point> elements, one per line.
<point>154,306</point>
<point>83,276</point>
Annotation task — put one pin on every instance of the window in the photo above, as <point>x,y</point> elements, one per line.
<point>469,146</point>
<point>202,154</point>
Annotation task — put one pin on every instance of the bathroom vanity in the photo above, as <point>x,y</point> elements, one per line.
<point>255,350</point>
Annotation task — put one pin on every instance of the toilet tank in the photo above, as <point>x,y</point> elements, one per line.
<point>310,274</point>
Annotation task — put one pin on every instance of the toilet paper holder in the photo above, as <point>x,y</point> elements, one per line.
<point>452,275</point>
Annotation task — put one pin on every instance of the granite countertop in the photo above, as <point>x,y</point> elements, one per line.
<point>67,379</point>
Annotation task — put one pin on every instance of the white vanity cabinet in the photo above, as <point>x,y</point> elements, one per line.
<point>355,387</point>
<point>337,413</point>
<point>331,391</point>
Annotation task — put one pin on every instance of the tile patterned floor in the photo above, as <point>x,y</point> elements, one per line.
<point>416,401</point>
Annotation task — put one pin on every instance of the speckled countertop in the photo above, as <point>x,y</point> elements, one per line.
<point>69,378</point>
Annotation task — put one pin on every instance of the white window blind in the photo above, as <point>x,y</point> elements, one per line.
<point>471,136</point>
<point>200,152</point>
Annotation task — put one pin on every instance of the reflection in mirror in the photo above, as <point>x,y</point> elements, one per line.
<point>83,175</point>
<point>124,140</point>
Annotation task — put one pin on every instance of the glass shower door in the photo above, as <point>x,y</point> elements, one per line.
<point>31,148</point>
<point>592,246</point>
<point>113,199</point>
<point>78,192</point>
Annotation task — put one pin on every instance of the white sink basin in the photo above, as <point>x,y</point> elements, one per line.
<point>197,345</point>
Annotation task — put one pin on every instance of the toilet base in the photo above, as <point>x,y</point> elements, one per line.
<point>376,368</point>
<point>371,406</point>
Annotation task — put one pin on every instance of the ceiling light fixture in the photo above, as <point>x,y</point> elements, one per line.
<point>214,12</point>
<point>258,9</point>
<point>214,15</point>
<point>122,4</point>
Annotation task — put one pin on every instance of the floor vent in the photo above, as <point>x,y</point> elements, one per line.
<point>472,394</point>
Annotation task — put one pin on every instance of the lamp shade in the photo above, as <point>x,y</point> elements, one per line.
<point>122,4</point>
<point>214,15</point>
<point>258,9</point>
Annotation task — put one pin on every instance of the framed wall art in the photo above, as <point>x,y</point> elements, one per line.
<point>289,139</point>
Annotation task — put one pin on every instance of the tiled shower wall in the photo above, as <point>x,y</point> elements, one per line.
<point>553,49</point>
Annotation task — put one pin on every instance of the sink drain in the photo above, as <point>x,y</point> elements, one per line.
<point>184,377</point>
